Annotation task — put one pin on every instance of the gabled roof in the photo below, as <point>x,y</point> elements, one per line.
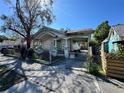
<point>81,31</point>
<point>47,30</point>
<point>44,28</point>
<point>119,29</point>
<point>60,33</point>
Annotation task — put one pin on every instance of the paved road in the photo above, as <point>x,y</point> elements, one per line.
<point>52,79</point>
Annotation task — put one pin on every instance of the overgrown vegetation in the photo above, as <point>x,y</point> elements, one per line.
<point>100,34</point>
<point>121,49</point>
<point>119,53</point>
<point>94,68</point>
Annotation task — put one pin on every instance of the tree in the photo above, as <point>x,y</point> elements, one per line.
<point>102,32</point>
<point>28,15</point>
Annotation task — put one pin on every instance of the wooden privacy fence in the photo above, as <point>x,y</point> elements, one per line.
<point>113,66</point>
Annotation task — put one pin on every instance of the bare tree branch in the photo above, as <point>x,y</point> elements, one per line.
<point>27,16</point>
<point>20,15</point>
<point>16,31</point>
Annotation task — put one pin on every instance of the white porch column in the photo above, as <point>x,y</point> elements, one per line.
<point>66,48</point>
<point>54,52</point>
<point>36,42</point>
<point>55,42</point>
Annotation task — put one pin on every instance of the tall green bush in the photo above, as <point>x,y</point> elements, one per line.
<point>101,32</point>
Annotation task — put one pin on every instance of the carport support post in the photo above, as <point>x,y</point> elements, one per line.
<point>66,48</point>
<point>89,47</point>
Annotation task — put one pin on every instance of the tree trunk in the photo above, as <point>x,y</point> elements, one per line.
<point>28,44</point>
<point>28,39</point>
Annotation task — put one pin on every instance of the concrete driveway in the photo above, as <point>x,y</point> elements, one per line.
<point>57,78</point>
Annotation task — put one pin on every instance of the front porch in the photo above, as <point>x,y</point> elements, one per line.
<point>63,46</point>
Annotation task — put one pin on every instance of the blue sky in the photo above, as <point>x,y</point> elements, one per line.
<point>80,14</point>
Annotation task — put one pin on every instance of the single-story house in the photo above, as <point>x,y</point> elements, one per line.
<point>60,42</point>
<point>116,35</point>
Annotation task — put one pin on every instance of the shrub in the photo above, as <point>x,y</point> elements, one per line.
<point>120,49</point>
<point>35,56</point>
<point>7,51</point>
<point>93,68</point>
<point>11,51</point>
<point>45,55</point>
<point>93,43</point>
<point>119,55</point>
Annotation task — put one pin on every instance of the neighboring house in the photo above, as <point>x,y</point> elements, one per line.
<point>12,44</point>
<point>7,44</point>
<point>115,35</point>
<point>60,42</point>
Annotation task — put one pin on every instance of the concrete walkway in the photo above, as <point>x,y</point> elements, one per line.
<point>57,78</point>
